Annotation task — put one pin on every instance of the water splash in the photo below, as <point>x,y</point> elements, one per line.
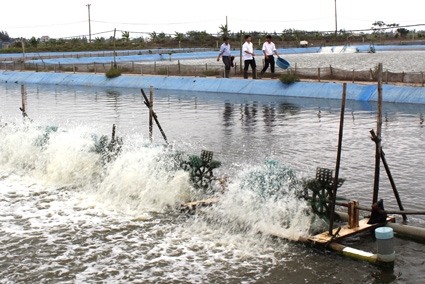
<point>266,199</point>
<point>338,49</point>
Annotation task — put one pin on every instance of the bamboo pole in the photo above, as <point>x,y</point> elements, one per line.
<point>338,158</point>
<point>147,103</point>
<point>378,137</point>
<point>24,105</point>
<point>150,112</point>
<point>240,53</point>
<point>115,63</point>
<point>390,177</point>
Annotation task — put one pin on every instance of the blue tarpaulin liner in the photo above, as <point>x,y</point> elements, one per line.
<point>177,54</point>
<point>358,92</point>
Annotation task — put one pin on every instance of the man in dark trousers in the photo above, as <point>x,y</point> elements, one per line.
<point>226,56</point>
<point>248,57</point>
<point>269,49</point>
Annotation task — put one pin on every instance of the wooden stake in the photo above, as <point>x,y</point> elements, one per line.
<point>338,158</point>
<point>390,177</point>
<point>24,107</point>
<point>378,137</point>
<point>150,112</point>
<point>318,74</point>
<point>147,103</point>
<point>240,55</point>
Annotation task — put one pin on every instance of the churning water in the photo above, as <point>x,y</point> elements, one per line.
<point>68,217</point>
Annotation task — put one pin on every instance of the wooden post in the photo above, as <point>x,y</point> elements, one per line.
<point>132,66</point>
<point>386,76</point>
<point>115,63</point>
<point>150,112</point>
<point>94,67</point>
<point>353,214</point>
<point>73,68</point>
<point>422,74</point>
<point>24,105</point>
<point>353,77</point>
<point>147,103</point>
<point>318,74</point>
<point>378,137</point>
<point>338,158</point>
<point>390,177</point>
<point>113,133</point>
<point>141,70</point>
<point>402,77</point>
<point>154,67</point>
<point>240,55</point>
<point>206,67</point>
<point>178,64</point>
<point>332,75</point>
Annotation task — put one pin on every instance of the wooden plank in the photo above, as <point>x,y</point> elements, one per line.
<point>345,231</point>
<point>191,206</point>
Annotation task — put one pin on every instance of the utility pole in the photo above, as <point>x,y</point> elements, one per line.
<point>23,50</point>
<point>88,6</point>
<point>336,25</point>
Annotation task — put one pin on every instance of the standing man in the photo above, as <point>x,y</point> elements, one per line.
<point>248,57</point>
<point>225,53</point>
<point>269,49</point>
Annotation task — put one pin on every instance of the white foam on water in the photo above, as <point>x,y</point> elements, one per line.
<point>71,218</point>
<point>338,49</point>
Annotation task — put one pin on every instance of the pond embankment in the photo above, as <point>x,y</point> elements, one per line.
<point>324,90</point>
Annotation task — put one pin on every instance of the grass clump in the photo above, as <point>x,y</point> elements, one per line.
<point>289,78</point>
<point>211,72</point>
<point>113,72</point>
<point>162,71</point>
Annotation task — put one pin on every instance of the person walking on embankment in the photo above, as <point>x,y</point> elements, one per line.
<point>226,56</point>
<point>269,49</point>
<point>248,57</point>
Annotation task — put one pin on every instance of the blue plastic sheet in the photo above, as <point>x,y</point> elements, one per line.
<point>357,92</point>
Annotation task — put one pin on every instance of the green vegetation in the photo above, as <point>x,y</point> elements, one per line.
<point>162,71</point>
<point>288,38</point>
<point>289,78</point>
<point>113,72</point>
<point>211,72</point>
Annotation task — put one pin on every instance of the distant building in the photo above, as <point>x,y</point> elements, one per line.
<point>44,38</point>
<point>4,45</point>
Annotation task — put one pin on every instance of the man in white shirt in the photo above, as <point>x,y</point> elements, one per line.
<point>269,49</point>
<point>248,57</point>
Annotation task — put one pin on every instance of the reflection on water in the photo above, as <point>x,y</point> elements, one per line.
<point>68,217</point>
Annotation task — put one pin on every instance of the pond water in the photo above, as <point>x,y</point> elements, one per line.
<point>67,217</point>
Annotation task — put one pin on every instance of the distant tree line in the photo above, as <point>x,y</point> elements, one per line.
<point>4,36</point>
<point>287,38</point>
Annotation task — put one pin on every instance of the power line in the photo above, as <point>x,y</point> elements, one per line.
<point>43,26</point>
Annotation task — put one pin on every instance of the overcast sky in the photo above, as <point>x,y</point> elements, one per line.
<point>60,18</point>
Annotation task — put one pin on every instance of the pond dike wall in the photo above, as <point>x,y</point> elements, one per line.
<point>324,90</point>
